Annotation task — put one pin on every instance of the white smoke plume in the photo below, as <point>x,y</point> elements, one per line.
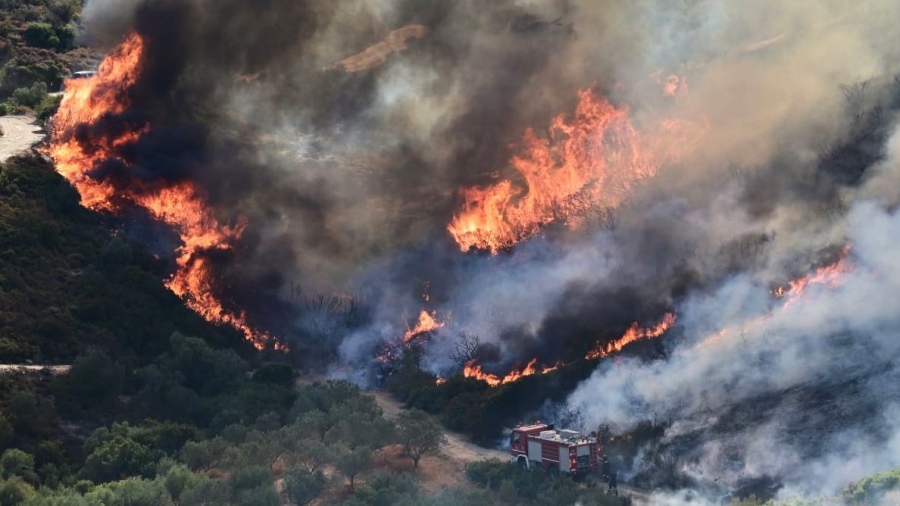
<point>841,339</point>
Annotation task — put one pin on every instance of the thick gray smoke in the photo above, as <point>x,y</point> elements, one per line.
<point>347,163</point>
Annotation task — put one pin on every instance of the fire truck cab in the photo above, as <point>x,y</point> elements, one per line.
<point>564,451</point>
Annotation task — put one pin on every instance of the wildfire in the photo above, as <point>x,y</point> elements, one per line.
<point>829,275</point>
<point>427,323</point>
<point>595,158</point>
<point>474,370</point>
<point>180,205</point>
<point>633,334</point>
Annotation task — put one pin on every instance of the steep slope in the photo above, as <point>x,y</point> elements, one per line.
<point>69,284</point>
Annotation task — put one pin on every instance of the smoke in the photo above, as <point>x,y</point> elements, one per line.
<point>802,391</point>
<point>347,175</point>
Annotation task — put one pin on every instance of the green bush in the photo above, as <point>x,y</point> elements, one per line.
<point>119,458</point>
<point>39,34</point>
<point>871,488</point>
<point>303,487</point>
<point>15,463</point>
<point>47,36</point>
<point>14,492</point>
<point>31,97</point>
<point>47,108</point>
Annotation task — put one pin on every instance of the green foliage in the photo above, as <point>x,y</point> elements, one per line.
<point>48,36</point>
<point>15,491</point>
<point>167,437</point>
<point>6,430</point>
<point>516,484</point>
<point>124,450</point>
<point>131,492</point>
<point>254,486</point>
<point>118,458</point>
<point>32,416</point>
<point>95,381</point>
<point>308,454</point>
<point>204,455</point>
<point>386,489</point>
<point>352,461</point>
<point>15,462</point>
<point>419,434</point>
<point>302,487</point>
<point>275,374</point>
<point>871,489</point>
<point>47,108</point>
<point>205,492</point>
<point>359,423</point>
<point>39,35</point>
<point>30,97</point>
<point>317,422</point>
<point>53,254</point>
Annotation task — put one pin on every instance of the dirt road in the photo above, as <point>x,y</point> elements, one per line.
<point>19,134</point>
<point>53,369</point>
<point>460,452</point>
<point>457,448</point>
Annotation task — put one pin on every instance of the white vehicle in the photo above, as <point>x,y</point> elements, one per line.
<point>83,74</point>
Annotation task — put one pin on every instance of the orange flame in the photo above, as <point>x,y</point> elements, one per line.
<point>830,275</point>
<point>181,205</point>
<point>427,323</point>
<point>474,370</point>
<point>633,334</point>
<point>594,159</point>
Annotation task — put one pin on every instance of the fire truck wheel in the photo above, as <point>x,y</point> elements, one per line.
<point>522,462</point>
<point>553,470</point>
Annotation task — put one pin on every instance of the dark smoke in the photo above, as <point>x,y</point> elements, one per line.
<point>347,180</point>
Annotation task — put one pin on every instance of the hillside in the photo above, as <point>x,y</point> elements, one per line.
<point>146,404</point>
<point>252,216</point>
<point>69,283</point>
<point>38,50</point>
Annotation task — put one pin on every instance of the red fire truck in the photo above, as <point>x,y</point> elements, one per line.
<point>563,451</point>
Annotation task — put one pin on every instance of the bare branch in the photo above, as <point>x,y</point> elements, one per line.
<point>466,348</point>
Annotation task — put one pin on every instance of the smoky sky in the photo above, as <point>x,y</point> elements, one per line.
<point>347,180</point>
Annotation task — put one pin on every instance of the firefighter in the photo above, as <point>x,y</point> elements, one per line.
<point>613,483</point>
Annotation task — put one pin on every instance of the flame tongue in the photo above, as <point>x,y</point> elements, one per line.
<point>427,323</point>
<point>829,275</point>
<point>78,150</point>
<point>594,159</point>
<point>633,334</point>
<point>473,370</point>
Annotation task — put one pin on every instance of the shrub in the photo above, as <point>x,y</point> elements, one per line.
<point>303,487</point>
<point>47,108</point>
<point>14,492</point>
<point>31,97</point>
<point>39,34</point>
<point>871,488</point>
<point>47,36</point>
<point>15,463</point>
<point>118,458</point>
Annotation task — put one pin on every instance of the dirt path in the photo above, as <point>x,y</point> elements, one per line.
<point>458,452</point>
<point>19,134</point>
<point>457,447</point>
<point>53,369</point>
